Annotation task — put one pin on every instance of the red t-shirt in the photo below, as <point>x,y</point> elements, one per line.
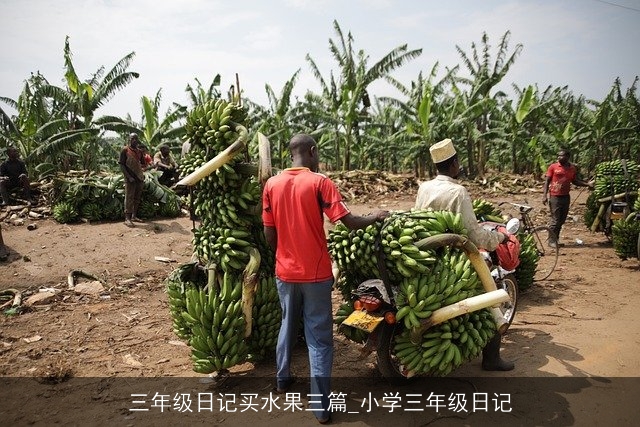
<point>294,202</point>
<point>561,178</point>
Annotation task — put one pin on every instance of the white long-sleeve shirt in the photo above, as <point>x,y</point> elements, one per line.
<point>444,193</point>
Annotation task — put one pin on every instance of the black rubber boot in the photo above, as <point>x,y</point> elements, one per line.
<point>491,360</point>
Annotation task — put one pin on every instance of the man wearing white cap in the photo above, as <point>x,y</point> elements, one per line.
<point>444,193</point>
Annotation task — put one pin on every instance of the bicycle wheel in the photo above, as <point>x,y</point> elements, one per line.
<point>547,256</point>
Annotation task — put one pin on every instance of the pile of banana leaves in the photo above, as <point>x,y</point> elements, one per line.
<point>100,197</point>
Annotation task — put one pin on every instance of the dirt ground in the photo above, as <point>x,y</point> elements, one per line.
<point>77,359</point>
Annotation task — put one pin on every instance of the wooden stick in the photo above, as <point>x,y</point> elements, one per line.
<point>596,222</point>
<point>616,196</point>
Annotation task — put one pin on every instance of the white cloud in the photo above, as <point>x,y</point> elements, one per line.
<point>583,44</point>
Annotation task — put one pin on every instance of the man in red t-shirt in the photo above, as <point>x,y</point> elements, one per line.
<point>294,203</point>
<point>559,177</point>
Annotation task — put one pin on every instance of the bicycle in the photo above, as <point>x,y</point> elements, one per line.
<point>547,256</point>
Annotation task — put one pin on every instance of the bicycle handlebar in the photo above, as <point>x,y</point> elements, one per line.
<point>522,208</point>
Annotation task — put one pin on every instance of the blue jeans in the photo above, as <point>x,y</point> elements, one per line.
<point>312,301</point>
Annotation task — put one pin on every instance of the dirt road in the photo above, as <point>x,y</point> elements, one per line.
<point>575,342</point>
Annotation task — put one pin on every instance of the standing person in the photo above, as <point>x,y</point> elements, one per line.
<point>559,177</point>
<point>132,164</point>
<point>163,161</point>
<point>13,174</point>
<point>294,202</point>
<point>444,193</point>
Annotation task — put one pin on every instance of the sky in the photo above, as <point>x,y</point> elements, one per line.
<point>583,44</point>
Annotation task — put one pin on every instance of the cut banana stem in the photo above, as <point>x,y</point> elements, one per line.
<point>264,151</point>
<point>465,306</point>
<point>478,263</point>
<point>222,158</point>
<point>617,196</point>
<point>249,284</point>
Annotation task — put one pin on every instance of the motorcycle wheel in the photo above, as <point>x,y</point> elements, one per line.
<point>508,308</point>
<point>388,364</point>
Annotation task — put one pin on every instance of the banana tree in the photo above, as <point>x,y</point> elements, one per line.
<point>348,97</point>
<point>198,95</point>
<point>611,127</point>
<point>484,76</point>
<point>278,120</point>
<point>79,100</point>
<point>425,115</point>
<point>39,130</point>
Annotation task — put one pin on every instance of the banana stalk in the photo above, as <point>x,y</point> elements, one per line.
<point>264,151</point>
<point>249,285</point>
<point>477,261</point>
<point>222,158</point>
<point>465,306</point>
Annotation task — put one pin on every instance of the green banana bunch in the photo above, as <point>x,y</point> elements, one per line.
<point>486,211</point>
<point>64,212</point>
<point>451,280</point>
<point>528,261</point>
<point>267,315</point>
<point>445,347</point>
<point>429,281</point>
<point>625,237</point>
<point>356,251</point>
<point>230,233</point>
<point>612,179</point>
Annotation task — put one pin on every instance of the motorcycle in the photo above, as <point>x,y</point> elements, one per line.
<point>375,308</point>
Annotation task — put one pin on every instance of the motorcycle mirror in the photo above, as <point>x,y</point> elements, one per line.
<point>513,225</point>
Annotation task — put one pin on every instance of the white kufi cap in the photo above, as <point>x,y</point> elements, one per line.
<point>442,151</point>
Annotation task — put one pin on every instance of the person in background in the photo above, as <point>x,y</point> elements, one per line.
<point>132,163</point>
<point>163,161</point>
<point>293,204</point>
<point>444,193</point>
<point>13,174</point>
<point>147,160</point>
<point>557,184</point>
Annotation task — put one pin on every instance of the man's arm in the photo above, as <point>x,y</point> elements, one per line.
<point>581,183</point>
<point>354,222</point>
<point>545,190</point>
<point>271,235</point>
<point>157,161</point>
<point>482,238</point>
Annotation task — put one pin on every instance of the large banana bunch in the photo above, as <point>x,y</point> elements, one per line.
<point>612,177</point>
<point>181,280</point>
<point>528,261</point>
<point>451,279</point>
<point>217,326</point>
<point>358,251</point>
<point>423,281</point>
<point>266,319</point>
<point>445,347</point>
<point>234,314</point>
<point>486,211</point>
<point>625,237</point>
